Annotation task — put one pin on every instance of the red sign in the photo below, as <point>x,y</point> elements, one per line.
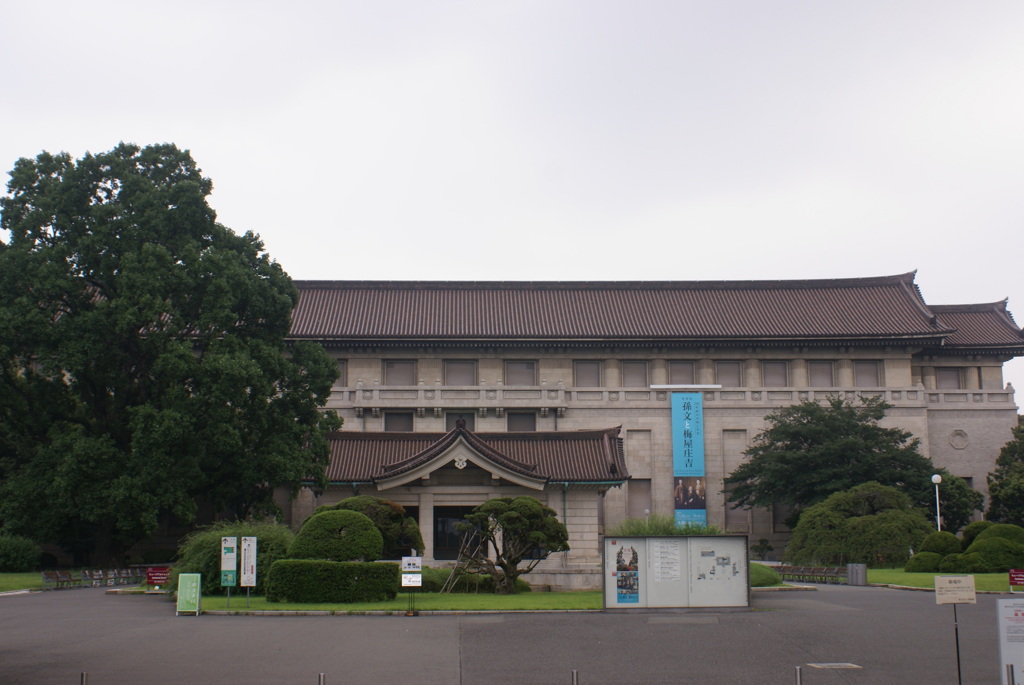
<point>157,575</point>
<point>1016,576</point>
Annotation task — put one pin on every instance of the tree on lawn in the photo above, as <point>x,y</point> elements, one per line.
<point>810,450</point>
<point>1006,483</point>
<point>143,363</point>
<point>517,530</point>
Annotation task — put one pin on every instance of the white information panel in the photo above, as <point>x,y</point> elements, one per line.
<point>1011,638</point>
<point>676,571</point>
<point>248,570</point>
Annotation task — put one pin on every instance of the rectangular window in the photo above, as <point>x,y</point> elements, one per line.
<point>639,493</point>
<point>342,373</point>
<point>460,372</point>
<point>521,421</point>
<point>451,417</point>
<point>948,378</point>
<point>398,421</point>
<point>634,375</point>
<point>399,372</point>
<point>727,374</point>
<point>775,374</point>
<point>520,373</point>
<point>681,373</point>
<point>866,375</point>
<point>588,374</point>
<point>819,375</point>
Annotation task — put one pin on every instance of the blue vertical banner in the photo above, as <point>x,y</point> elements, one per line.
<point>689,481</point>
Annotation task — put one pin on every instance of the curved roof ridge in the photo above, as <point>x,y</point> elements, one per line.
<point>449,439</point>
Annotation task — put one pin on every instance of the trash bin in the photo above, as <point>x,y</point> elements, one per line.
<point>856,574</point>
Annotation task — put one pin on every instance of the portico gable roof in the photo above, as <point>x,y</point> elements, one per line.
<point>533,460</point>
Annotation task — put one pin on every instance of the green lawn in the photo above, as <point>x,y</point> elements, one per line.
<point>997,582</point>
<point>20,581</point>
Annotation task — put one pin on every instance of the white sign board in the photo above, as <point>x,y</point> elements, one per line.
<point>1010,613</point>
<point>676,571</point>
<point>228,561</point>
<point>412,564</point>
<point>955,590</point>
<point>412,580</point>
<point>248,570</point>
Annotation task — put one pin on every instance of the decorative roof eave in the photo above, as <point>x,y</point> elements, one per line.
<point>927,339</point>
<point>459,433</point>
<point>460,452</point>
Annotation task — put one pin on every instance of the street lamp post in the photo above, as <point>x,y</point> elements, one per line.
<point>937,479</point>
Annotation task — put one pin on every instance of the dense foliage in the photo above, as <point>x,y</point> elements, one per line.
<point>941,542</point>
<point>1006,483</point>
<point>811,450</point>
<point>200,551</point>
<point>18,554</point>
<point>435,578</point>
<point>973,530</point>
<point>401,533</point>
<point>660,525</point>
<point>143,364</point>
<point>337,535</point>
<point>513,531</point>
<point>312,580</point>
<point>871,524</point>
<point>991,548</point>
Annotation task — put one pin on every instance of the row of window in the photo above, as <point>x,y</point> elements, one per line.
<point>636,374</point>
<point>515,421</point>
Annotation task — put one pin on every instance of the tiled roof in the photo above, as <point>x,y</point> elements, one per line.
<point>980,325</point>
<point>569,456</point>
<point>887,307</point>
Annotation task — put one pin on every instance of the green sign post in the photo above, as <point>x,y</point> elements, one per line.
<point>189,594</point>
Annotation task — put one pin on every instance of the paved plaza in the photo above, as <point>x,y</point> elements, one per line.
<point>894,636</point>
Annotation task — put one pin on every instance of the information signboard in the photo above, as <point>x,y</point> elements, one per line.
<point>676,571</point>
<point>189,594</point>
<point>412,580</point>
<point>228,562</point>
<point>1010,613</point>
<point>412,564</point>
<point>955,590</point>
<point>248,571</point>
<point>1016,579</point>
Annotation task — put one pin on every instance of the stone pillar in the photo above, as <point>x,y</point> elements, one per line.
<point>752,374</point>
<point>928,377</point>
<point>705,372</point>
<point>799,371</point>
<point>844,373</point>
<point>659,372</point>
<point>426,524</point>
<point>613,373</point>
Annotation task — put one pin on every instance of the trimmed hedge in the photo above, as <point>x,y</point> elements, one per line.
<point>763,576</point>
<point>435,578</point>
<point>319,581</point>
<point>18,554</point>
<point>1005,531</point>
<point>965,563</point>
<point>972,531</point>
<point>942,543</point>
<point>337,535</point>
<point>999,553</point>
<point>924,562</point>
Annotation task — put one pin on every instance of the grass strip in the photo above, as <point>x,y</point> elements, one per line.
<point>528,601</point>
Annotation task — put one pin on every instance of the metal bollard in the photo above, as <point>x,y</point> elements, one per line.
<point>85,678</point>
<point>575,678</point>
<point>1010,677</point>
<point>320,680</point>
<point>798,680</point>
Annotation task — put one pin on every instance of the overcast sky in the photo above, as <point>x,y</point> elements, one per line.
<point>584,140</point>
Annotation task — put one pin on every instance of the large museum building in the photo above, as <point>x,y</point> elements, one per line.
<point>609,400</point>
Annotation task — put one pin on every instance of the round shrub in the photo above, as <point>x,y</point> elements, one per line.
<point>965,563</point>
<point>400,531</point>
<point>764,576</point>
<point>1006,531</point>
<point>942,543</point>
<point>18,554</point>
<point>337,535</point>
<point>972,531</point>
<point>924,562</point>
<point>999,553</point>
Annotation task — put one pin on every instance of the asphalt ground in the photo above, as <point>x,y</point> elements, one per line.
<point>892,636</point>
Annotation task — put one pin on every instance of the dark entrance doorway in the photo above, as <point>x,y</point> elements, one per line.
<point>447,538</point>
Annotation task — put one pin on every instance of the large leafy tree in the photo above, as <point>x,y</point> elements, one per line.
<point>143,363</point>
<point>1006,483</point>
<point>810,450</point>
<point>514,534</point>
